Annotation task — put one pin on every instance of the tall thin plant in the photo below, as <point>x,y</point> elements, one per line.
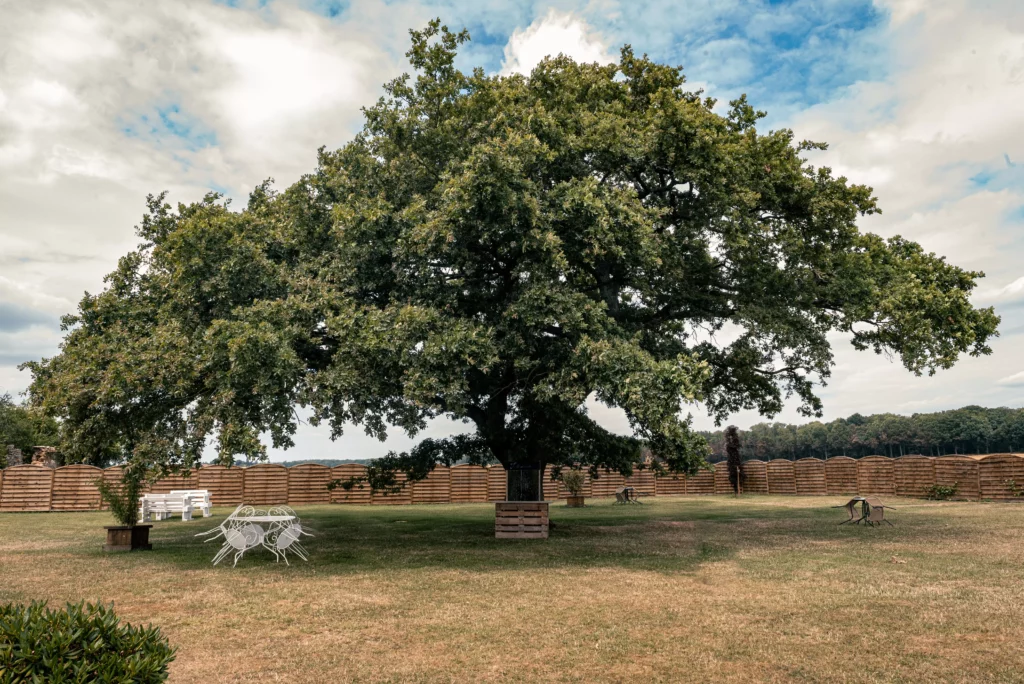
<point>123,496</point>
<point>732,458</point>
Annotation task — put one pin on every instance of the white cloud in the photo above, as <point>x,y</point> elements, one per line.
<point>1015,380</point>
<point>553,34</point>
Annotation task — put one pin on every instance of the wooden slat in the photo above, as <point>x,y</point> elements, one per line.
<point>404,496</point>
<point>701,483</point>
<point>168,483</point>
<point>497,483</point>
<point>26,488</point>
<point>468,484</point>
<point>961,472</point>
<point>671,484</point>
<point>875,475</point>
<point>74,488</point>
<point>755,477</point>
<point>995,473</point>
<point>840,475</point>
<point>265,484</point>
<point>437,488</point>
<point>809,475</point>
<point>606,483</point>
<point>307,484</point>
<point>521,520</point>
<point>359,494</point>
<point>225,484</point>
<point>915,475</point>
<point>722,484</point>
<point>550,486</point>
<point>781,478</point>
<point>642,481</point>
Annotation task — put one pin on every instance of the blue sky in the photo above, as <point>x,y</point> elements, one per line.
<point>104,101</point>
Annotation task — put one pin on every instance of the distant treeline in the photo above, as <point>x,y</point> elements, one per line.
<point>329,462</point>
<point>969,430</point>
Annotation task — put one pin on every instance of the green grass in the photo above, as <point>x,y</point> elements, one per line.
<point>679,589</point>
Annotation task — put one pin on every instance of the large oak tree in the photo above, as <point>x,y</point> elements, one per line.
<point>497,249</point>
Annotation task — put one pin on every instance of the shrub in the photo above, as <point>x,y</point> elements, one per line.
<point>942,492</point>
<point>123,498</point>
<point>82,643</point>
<point>573,481</point>
<point>1015,489</point>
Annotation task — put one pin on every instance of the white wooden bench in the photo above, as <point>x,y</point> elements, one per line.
<point>200,499</point>
<point>161,506</point>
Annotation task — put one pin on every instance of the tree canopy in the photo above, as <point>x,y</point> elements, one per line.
<point>24,427</point>
<point>497,249</point>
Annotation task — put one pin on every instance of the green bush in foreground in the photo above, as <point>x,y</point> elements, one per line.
<point>82,643</point>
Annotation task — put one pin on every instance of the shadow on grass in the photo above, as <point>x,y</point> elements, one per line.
<point>661,536</point>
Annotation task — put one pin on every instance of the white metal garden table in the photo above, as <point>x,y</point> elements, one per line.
<point>243,530</point>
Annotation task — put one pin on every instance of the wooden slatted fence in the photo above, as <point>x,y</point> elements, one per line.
<point>755,477</point>
<point>915,475</point>
<point>781,477</point>
<point>840,475</point>
<point>73,488</point>
<point>809,477</point>
<point>226,485</point>
<point>307,484</point>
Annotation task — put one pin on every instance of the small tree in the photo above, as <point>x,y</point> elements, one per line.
<point>573,481</point>
<point>123,497</point>
<point>732,457</point>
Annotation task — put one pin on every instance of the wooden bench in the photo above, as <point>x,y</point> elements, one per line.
<point>200,499</point>
<point>161,506</point>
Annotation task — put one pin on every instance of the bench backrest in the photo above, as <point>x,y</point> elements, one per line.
<point>178,501</point>
<point>197,495</point>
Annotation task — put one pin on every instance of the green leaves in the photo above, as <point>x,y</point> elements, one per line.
<point>84,643</point>
<point>498,250</point>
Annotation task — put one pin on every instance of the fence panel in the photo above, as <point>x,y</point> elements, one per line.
<point>497,482</point>
<point>670,485</point>
<point>437,488</point>
<point>226,485</point>
<point>307,484</point>
<point>875,475</point>
<point>722,484</point>
<point>701,483</point>
<point>168,483</point>
<point>809,474</point>
<point>755,477</point>
<point>266,484</point>
<point>642,481</point>
<point>999,474</point>
<point>840,475</point>
<point>403,496</point>
<point>74,488</point>
<point>606,483</point>
<point>915,475</point>
<point>781,478</point>
<point>26,488</point>
<point>469,484</point>
<point>359,493</point>
<point>960,472</point>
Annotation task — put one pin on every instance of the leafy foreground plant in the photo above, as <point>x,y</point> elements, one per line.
<point>123,497</point>
<point>497,249</point>
<point>942,492</point>
<point>79,644</point>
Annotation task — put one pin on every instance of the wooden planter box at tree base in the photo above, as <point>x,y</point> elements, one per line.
<point>574,501</point>
<point>122,538</point>
<point>521,519</point>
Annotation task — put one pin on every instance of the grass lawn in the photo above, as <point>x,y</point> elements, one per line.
<point>679,589</point>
